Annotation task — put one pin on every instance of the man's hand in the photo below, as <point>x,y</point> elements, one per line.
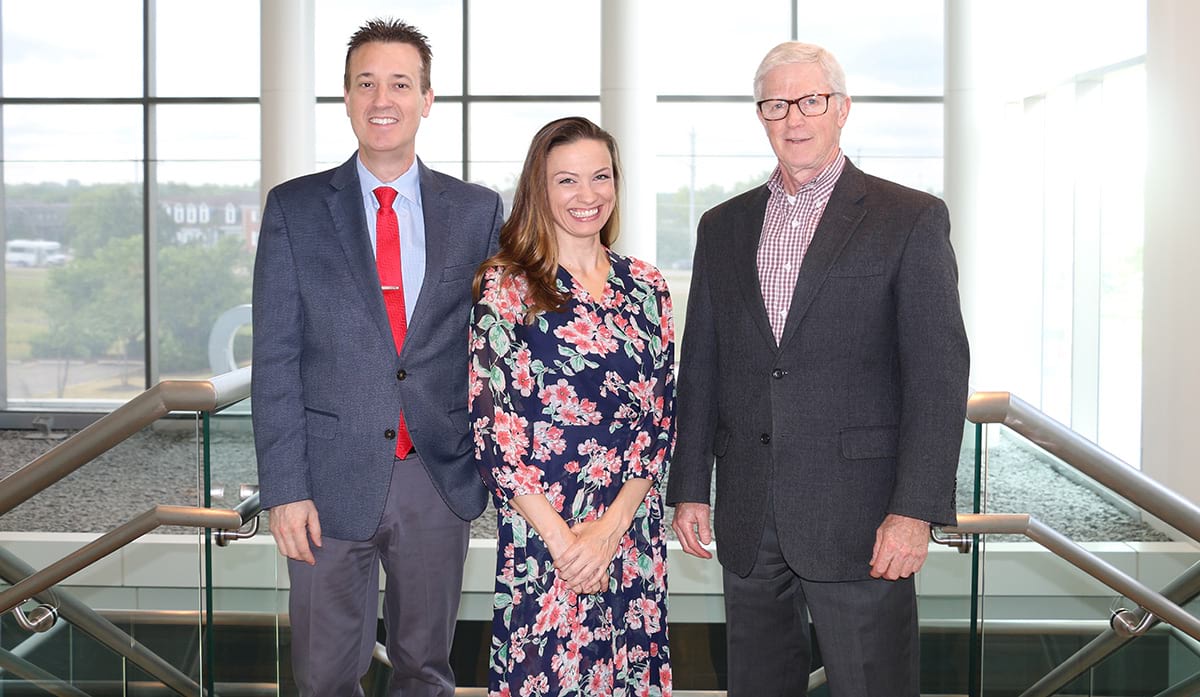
<point>692,528</point>
<point>293,524</point>
<point>901,545</point>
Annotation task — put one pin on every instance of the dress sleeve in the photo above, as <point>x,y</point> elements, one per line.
<point>502,434</point>
<point>651,451</point>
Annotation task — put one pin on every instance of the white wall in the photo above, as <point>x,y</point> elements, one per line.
<point>1171,331</point>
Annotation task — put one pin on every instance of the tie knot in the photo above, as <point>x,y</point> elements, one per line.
<point>385,195</point>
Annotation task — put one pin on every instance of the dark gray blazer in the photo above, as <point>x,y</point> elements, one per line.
<point>327,383</point>
<point>857,413</point>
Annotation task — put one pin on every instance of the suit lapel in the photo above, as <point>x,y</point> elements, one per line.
<point>349,219</point>
<point>745,260</point>
<point>436,209</point>
<point>842,215</point>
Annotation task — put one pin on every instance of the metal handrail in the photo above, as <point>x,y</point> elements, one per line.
<point>31,673</point>
<point>167,396</point>
<point>1087,457</point>
<point>88,621</point>
<point>110,542</point>
<point>248,510</point>
<point>1182,590</point>
<point>1185,688</point>
<point>1094,566</point>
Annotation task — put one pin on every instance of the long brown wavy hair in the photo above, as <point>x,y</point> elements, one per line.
<point>528,246</point>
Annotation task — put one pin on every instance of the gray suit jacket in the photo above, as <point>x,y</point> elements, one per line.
<point>327,383</point>
<point>857,413</point>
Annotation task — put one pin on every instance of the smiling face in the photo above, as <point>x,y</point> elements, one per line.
<point>581,189</point>
<point>385,105</point>
<point>803,144</point>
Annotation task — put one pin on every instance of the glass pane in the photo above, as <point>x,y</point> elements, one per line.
<point>439,139</point>
<point>217,143</point>
<point>1023,478</point>
<point>54,661</point>
<point>42,143</point>
<point>707,153</point>
<point>900,142</point>
<point>561,39</point>
<point>500,136</point>
<point>1123,223</point>
<point>1039,610</point>
<point>244,625</point>
<point>1066,333</point>
<point>1149,665</point>
<point>688,32</point>
<point>944,597</point>
<point>207,225</point>
<point>207,49</point>
<point>885,47</point>
<point>233,472</point>
<point>149,589</point>
<point>73,255</point>
<point>1070,38</point>
<point>1058,303</point>
<point>439,20</point>
<point>74,48</point>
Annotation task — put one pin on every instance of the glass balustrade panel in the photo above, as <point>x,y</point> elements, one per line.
<point>63,660</point>
<point>1037,610</point>
<point>246,622</point>
<point>150,587</point>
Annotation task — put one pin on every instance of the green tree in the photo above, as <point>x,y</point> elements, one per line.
<point>678,212</point>
<point>102,213</point>
<point>94,307</point>
<point>197,283</point>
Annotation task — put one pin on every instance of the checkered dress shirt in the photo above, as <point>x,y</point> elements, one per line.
<point>787,231</point>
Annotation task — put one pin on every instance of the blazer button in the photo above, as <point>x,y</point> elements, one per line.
<point>765,438</point>
<point>390,434</point>
<point>400,374</point>
<point>778,373</point>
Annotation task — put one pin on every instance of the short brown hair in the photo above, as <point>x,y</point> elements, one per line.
<point>380,30</point>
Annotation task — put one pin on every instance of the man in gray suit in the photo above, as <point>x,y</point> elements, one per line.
<point>824,366</point>
<point>361,305</point>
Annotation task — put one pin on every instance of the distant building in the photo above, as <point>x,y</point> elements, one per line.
<point>207,218</point>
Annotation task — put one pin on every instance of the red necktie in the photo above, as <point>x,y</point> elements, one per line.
<point>391,279</point>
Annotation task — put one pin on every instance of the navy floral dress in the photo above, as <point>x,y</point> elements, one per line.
<point>571,407</point>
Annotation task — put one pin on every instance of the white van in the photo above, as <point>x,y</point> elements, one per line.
<point>33,253</point>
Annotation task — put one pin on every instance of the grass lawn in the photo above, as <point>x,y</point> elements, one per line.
<point>25,295</point>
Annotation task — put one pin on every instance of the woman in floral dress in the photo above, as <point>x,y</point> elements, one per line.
<point>572,405</point>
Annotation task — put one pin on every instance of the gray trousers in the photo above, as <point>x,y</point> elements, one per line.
<point>334,603</point>
<point>867,631</point>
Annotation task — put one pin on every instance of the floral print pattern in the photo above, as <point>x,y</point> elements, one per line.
<point>571,407</point>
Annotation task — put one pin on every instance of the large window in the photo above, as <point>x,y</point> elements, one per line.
<point>130,148</point>
<point>1064,169</point>
<point>142,172</point>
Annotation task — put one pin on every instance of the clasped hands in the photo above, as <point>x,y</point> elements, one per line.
<point>582,555</point>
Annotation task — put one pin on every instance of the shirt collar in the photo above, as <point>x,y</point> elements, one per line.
<point>408,185</point>
<point>822,182</point>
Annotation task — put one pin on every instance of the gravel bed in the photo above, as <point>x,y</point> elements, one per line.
<point>161,465</point>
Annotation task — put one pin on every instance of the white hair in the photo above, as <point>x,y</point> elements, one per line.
<point>797,52</point>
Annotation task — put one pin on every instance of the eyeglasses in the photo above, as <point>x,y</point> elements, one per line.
<point>809,105</point>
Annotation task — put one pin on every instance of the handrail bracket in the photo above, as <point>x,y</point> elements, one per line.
<point>39,619</point>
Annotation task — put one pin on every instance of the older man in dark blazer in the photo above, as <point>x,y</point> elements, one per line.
<point>362,292</point>
<point>824,367</point>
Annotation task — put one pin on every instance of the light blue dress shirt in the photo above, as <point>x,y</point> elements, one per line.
<point>412,225</point>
